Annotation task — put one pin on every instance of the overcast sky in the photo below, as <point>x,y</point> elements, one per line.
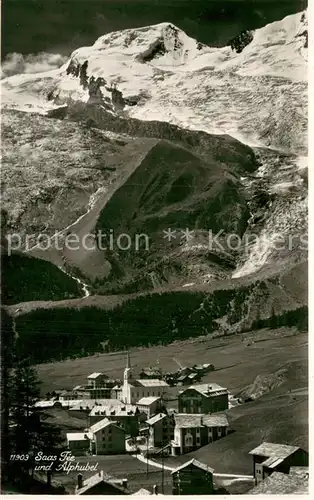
<point>62,25</point>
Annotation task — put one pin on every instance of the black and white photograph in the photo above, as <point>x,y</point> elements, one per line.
<point>154,247</point>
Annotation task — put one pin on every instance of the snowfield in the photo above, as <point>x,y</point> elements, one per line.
<point>258,96</point>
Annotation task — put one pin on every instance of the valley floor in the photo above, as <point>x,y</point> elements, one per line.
<point>279,415</point>
<point>238,360</point>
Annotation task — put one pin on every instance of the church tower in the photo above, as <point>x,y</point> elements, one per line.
<point>126,389</point>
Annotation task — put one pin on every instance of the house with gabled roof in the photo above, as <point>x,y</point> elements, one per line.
<point>161,430</point>
<point>96,379</point>
<point>108,438</point>
<point>193,431</point>
<point>149,405</point>
<point>128,416</point>
<point>193,478</point>
<point>271,457</point>
<point>101,484</point>
<point>203,398</point>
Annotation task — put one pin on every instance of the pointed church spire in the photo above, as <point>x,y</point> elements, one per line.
<point>128,362</point>
<point>126,389</point>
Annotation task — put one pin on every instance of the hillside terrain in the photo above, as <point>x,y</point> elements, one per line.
<point>170,315</point>
<point>155,202</point>
<point>279,410</point>
<point>144,132</point>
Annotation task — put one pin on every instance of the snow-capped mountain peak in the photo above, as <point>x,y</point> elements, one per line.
<point>252,89</point>
<point>163,41</point>
<point>137,37</point>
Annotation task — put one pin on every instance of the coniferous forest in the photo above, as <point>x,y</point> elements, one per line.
<point>26,278</point>
<point>146,320</point>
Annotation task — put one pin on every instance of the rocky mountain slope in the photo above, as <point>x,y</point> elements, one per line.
<point>149,130</point>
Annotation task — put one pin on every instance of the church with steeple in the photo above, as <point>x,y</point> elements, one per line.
<point>133,390</point>
<point>127,386</point>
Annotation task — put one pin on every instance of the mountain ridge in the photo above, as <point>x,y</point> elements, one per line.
<point>148,128</point>
<point>147,90</point>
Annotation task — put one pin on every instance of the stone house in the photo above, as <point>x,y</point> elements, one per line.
<point>108,438</point>
<point>203,398</point>
<point>193,431</point>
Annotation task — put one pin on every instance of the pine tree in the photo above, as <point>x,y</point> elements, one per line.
<point>24,417</point>
<point>30,433</point>
<point>273,322</point>
<point>7,343</point>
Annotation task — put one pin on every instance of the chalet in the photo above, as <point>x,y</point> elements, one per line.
<point>128,416</point>
<point>79,443</point>
<point>193,431</point>
<point>193,478</point>
<point>107,438</point>
<point>101,484</point>
<point>203,398</point>
<point>194,377</point>
<point>161,430</point>
<point>271,457</point>
<point>149,405</point>
<point>183,380</point>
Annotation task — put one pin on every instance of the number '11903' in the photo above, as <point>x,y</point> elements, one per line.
<point>19,457</point>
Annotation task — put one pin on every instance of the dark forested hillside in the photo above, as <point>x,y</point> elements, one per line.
<point>25,278</point>
<point>146,320</point>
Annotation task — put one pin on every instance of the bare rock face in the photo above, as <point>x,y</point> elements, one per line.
<point>241,41</point>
